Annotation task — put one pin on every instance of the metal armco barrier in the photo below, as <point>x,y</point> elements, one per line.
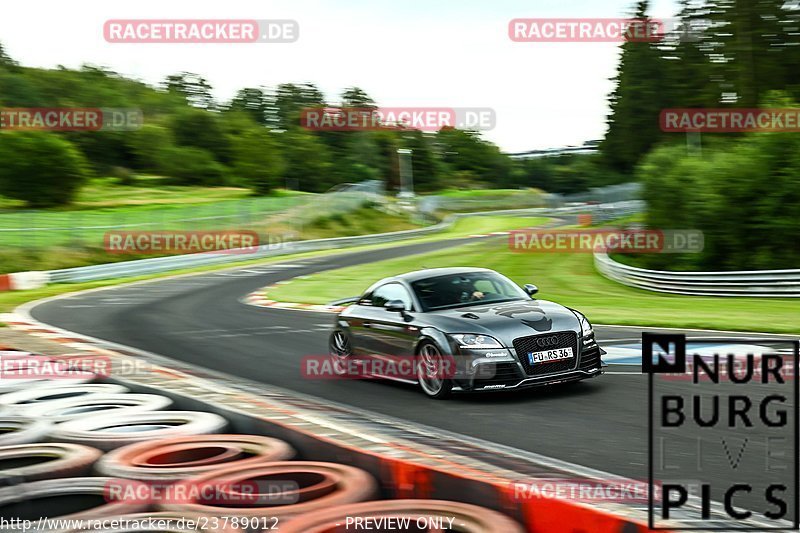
<point>165,264</point>
<point>753,283</point>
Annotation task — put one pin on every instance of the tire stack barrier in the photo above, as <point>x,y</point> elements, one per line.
<point>117,430</point>
<point>22,430</point>
<point>46,461</point>
<point>97,404</point>
<point>20,401</point>
<point>155,448</point>
<point>182,457</point>
<point>314,486</point>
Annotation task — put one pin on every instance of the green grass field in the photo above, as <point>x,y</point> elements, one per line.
<point>104,205</point>
<point>461,200</point>
<point>569,279</point>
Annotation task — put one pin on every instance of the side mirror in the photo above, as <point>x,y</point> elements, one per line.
<point>531,289</point>
<point>395,305</point>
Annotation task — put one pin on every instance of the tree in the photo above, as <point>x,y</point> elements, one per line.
<point>193,166</point>
<point>635,103</point>
<point>308,161</point>
<point>201,129</point>
<point>255,156</point>
<point>5,60</point>
<point>193,88</point>
<point>290,99</point>
<point>426,167</point>
<point>150,145</point>
<point>252,101</point>
<point>747,40</point>
<point>465,151</point>
<point>355,97</point>
<point>40,168</point>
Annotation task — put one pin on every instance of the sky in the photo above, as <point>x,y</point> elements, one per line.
<point>403,53</point>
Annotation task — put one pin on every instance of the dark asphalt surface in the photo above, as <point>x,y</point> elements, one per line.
<point>600,423</point>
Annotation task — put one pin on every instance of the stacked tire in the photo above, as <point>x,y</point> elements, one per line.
<point>125,463</point>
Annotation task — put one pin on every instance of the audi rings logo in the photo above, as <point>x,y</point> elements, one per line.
<point>544,342</point>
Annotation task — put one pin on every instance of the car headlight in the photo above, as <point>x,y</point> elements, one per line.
<point>470,340</point>
<point>586,327</point>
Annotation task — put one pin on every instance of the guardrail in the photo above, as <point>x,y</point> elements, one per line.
<point>165,264</point>
<point>754,283</point>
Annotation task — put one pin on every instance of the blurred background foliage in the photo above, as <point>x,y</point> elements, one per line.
<point>743,190</point>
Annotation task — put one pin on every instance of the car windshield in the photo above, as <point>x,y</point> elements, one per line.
<point>469,288</point>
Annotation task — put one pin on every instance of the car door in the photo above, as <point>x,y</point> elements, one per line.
<point>391,335</point>
<point>358,318</point>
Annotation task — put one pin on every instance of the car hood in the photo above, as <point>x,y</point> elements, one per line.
<point>507,321</point>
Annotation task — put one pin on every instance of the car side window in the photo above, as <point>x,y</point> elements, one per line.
<point>366,299</point>
<point>391,291</point>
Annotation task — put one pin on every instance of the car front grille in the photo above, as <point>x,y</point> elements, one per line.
<point>564,339</point>
<point>590,358</point>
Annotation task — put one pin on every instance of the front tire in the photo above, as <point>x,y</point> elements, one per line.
<point>430,365</point>
<point>340,351</point>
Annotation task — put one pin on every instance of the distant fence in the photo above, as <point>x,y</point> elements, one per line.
<point>38,228</point>
<point>520,199</point>
<point>165,264</point>
<point>755,283</point>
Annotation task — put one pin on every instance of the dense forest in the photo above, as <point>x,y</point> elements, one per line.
<point>255,140</point>
<point>742,189</point>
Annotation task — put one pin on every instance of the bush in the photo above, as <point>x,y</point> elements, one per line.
<point>124,176</point>
<point>40,168</point>
<point>193,166</point>
<point>256,160</point>
<point>743,195</point>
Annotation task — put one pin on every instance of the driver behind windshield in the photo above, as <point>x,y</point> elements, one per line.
<point>468,291</point>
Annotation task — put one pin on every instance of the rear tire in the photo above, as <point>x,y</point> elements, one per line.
<point>429,368</point>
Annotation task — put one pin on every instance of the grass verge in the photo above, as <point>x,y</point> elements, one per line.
<point>462,227</point>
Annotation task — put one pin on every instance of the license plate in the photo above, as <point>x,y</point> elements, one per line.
<point>550,356</point>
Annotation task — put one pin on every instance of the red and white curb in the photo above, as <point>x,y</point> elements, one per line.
<point>23,281</point>
<point>15,321</point>
<point>259,299</point>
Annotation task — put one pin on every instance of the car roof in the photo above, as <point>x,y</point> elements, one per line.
<point>417,275</point>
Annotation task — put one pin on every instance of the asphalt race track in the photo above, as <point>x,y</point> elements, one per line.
<point>601,422</point>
